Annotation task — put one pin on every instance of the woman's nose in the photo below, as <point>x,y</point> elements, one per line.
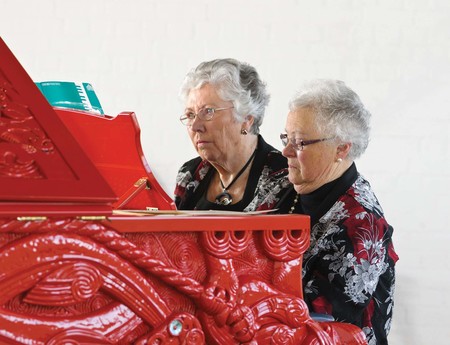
<point>289,151</point>
<point>197,125</point>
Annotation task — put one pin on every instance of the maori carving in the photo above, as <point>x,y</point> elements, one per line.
<point>82,272</point>
<point>72,283</point>
<point>181,326</point>
<point>18,123</point>
<point>286,248</point>
<point>12,166</point>
<point>20,135</point>
<point>285,245</point>
<point>78,336</point>
<point>226,244</point>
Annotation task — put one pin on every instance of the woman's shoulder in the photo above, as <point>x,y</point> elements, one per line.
<point>188,172</point>
<point>191,165</point>
<point>364,197</point>
<point>356,209</point>
<point>273,157</point>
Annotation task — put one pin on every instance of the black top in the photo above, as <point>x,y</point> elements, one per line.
<point>318,202</point>
<point>269,168</point>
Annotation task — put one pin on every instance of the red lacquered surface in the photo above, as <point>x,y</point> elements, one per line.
<point>113,144</point>
<point>66,280</point>
<point>204,222</point>
<point>35,164</point>
<point>67,277</point>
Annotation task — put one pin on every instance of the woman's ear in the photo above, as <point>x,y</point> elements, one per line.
<point>248,123</point>
<point>343,150</point>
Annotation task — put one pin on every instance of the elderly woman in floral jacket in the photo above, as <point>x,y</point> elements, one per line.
<point>348,270</point>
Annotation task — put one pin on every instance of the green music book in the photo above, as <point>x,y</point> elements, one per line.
<point>66,94</point>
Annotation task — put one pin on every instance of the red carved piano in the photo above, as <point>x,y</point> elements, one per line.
<point>83,261</point>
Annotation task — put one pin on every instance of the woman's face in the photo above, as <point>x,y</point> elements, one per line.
<point>315,165</point>
<point>218,139</point>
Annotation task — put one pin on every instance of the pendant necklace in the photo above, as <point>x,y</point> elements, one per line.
<point>225,198</point>
<point>291,210</point>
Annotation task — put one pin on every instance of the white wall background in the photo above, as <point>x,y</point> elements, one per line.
<point>394,53</point>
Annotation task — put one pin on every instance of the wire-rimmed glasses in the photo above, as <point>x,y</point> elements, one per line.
<point>205,114</point>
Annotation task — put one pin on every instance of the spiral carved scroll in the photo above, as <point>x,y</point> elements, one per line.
<point>74,283</point>
<point>226,244</point>
<point>285,245</point>
<point>78,337</point>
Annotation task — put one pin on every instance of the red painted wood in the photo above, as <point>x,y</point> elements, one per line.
<point>131,279</point>
<point>39,158</point>
<point>69,280</point>
<point>113,144</point>
<point>203,222</point>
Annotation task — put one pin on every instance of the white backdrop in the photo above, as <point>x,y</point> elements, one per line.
<point>394,53</point>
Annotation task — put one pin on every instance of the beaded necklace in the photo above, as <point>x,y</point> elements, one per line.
<point>291,210</point>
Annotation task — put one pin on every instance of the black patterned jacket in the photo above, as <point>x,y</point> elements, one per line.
<point>267,181</point>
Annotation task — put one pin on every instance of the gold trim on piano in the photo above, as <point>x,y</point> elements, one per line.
<point>140,182</point>
<point>31,218</point>
<point>92,218</point>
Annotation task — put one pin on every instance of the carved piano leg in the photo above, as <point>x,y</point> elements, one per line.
<point>219,297</point>
<point>286,249</point>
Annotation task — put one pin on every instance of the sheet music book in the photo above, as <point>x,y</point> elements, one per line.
<point>72,95</point>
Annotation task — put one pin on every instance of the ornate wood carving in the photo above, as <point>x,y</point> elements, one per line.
<point>21,133</point>
<point>67,280</point>
<point>39,158</point>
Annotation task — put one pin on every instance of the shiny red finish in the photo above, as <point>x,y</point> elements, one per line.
<point>35,164</point>
<point>67,279</point>
<point>113,145</point>
<point>73,271</point>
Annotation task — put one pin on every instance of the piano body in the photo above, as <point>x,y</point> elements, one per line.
<point>79,266</point>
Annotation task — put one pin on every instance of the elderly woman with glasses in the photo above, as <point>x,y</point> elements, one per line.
<point>225,102</point>
<point>348,270</point>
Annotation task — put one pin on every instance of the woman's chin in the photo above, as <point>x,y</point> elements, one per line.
<point>293,179</point>
<point>206,156</point>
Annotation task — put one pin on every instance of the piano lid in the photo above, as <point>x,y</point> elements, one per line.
<point>40,161</point>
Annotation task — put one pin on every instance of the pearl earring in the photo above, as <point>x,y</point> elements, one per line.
<point>339,160</point>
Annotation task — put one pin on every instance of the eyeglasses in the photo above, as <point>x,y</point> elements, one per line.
<point>205,114</point>
<point>297,143</point>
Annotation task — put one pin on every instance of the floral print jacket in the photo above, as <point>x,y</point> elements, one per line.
<point>348,270</point>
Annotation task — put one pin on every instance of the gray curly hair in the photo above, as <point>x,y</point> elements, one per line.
<point>234,81</point>
<point>339,110</point>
